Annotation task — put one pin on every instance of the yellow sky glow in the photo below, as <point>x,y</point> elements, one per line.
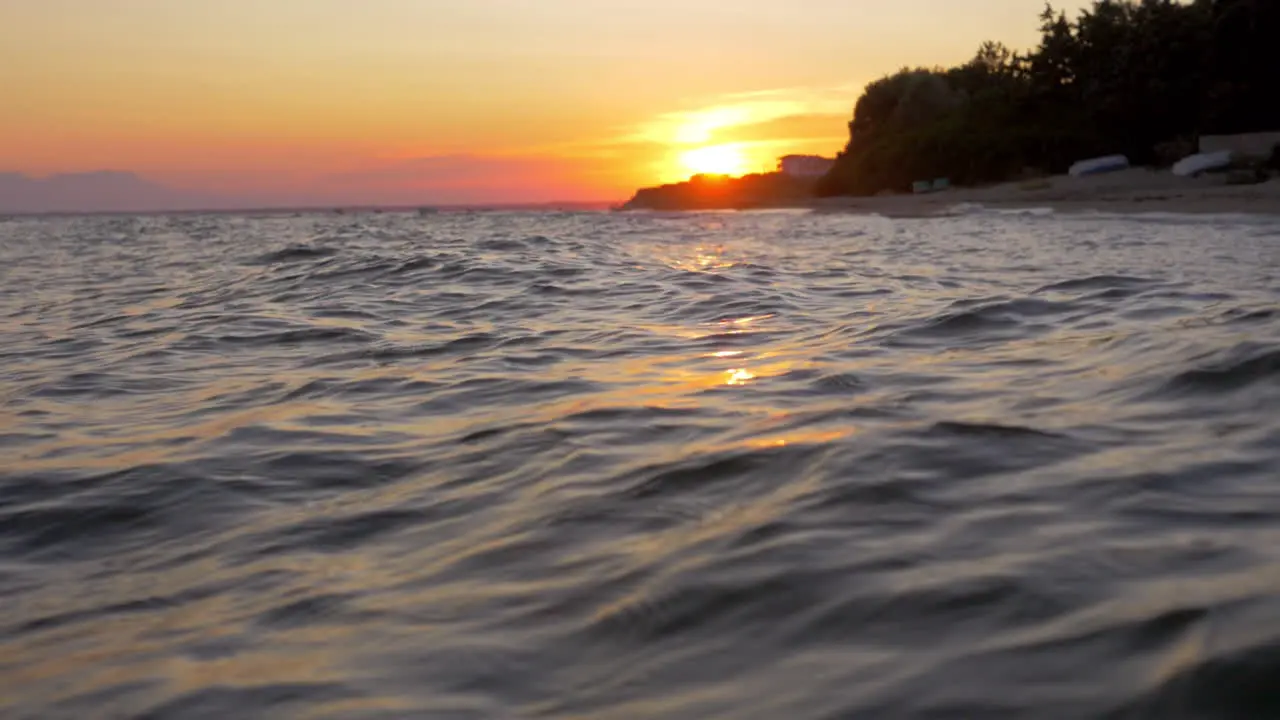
<point>438,100</point>
<point>715,160</point>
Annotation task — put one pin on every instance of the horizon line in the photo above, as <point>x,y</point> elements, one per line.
<point>328,207</point>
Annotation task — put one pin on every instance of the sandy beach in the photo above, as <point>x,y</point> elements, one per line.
<point>1130,191</point>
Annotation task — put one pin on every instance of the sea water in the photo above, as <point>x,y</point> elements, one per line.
<point>606,465</point>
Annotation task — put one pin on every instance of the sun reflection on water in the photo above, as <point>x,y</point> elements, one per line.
<point>744,321</point>
<point>800,437</point>
<point>704,259</point>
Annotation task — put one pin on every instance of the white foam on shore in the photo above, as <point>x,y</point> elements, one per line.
<point>1179,217</point>
<point>972,208</point>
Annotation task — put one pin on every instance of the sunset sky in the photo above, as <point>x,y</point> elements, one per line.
<point>409,101</point>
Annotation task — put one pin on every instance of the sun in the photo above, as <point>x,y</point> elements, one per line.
<point>715,160</point>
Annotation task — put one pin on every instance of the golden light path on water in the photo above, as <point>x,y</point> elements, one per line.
<point>744,368</point>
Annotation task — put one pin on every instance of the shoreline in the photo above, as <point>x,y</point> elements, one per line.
<point>1133,191</point>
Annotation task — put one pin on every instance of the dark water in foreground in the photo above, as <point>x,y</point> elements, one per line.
<point>606,466</point>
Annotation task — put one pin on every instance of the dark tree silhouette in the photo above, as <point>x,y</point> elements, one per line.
<point>1126,76</point>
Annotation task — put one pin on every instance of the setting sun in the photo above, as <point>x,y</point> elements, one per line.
<point>715,160</point>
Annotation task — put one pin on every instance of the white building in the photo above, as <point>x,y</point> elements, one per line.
<point>804,166</point>
<point>1245,145</point>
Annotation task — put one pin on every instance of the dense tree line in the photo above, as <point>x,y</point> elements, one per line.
<point>718,192</point>
<point>1143,78</point>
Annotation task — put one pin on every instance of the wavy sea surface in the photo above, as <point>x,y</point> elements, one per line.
<point>739,465</point>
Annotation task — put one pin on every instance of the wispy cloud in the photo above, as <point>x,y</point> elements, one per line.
<point>760,116</point>
<point>760,125</point>
<point>713,120</point>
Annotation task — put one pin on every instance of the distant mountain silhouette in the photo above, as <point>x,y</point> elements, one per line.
<point>103,191</point>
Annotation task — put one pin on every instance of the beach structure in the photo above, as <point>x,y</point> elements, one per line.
<point>920,187</point>
<point>1193,165</point>
<point>804,166</point>
<point>1098,165</point>
<point>1258,146</point>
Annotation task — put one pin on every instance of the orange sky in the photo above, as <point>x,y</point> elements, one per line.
<point>454,100</point>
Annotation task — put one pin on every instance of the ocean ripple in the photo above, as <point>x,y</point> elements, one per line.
<point>733,465</point>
